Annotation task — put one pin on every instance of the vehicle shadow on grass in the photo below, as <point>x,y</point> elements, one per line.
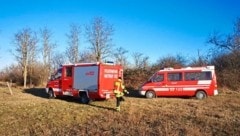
<point>135,94</point>
<point>91,103</point>
<point>39,92</point>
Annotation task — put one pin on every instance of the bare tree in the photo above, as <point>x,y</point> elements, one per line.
<point>120,56</point>
<point>86,56</point>
<point>72,51</point>
<point>47,50</point>
<point>58,59</point>
<point>225,56</point>
<point>171,61</point>
<point>138,74</point>
<point>140,61</point>
<point>136,58</point>
<point>230,42</point>
<point>33,51</point>
<point>25,42</point>
<point>99,35</point>
<point>201,60</point>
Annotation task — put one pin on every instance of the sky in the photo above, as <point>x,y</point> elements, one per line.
<point>155,28</point>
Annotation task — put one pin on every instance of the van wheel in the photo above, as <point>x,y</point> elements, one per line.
<point>84,98</point>
<point>201,95</point>
<point>150,94</point>
<point>51,94</point>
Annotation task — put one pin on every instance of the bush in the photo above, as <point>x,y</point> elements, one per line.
<point>228,70</point>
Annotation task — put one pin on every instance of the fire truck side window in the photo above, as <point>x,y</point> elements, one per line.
<point>174,76</point>
<point>69,72</point>
<point>58,74</point>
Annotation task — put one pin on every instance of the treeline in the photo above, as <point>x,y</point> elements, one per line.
<point>37,56</point>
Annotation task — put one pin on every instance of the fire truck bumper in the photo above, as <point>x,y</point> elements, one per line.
<point>106,95</point>
<point>215,92</point>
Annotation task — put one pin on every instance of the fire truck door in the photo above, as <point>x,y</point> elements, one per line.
<point>67,79</point>
<point>57,80</point>
<point>57,84</point>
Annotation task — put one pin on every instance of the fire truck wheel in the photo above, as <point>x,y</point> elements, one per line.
<point>50,94</point>
<point>84,98</point>
<point>150,94</point>
<point>201,95</point>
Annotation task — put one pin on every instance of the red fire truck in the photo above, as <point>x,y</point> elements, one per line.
<point>88,81</point>
<point>190,81</point>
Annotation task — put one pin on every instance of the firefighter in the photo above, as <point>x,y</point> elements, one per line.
<point>119,90</point>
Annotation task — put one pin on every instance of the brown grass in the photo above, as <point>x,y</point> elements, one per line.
<point>29,112</point>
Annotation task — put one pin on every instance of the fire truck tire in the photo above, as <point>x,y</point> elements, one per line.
<point>50,94</point>
<point>201,95</point>
<point>84,98</point>
<point>150,94</point>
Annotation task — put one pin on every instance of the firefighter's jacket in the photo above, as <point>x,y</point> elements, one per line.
<point>119,88</point>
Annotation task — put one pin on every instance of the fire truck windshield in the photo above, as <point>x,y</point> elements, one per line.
<point>58,74</point>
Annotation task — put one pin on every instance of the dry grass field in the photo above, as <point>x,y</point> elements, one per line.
<point>30,112</point>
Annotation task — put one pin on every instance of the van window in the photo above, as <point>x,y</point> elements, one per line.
<point>174,76</point>
<point>158,78</point>
<point>194,76</point>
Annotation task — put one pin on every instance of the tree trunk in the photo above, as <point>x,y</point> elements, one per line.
<point>25,77</point>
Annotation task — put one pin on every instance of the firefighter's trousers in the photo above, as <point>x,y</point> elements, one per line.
<point>119,99</point>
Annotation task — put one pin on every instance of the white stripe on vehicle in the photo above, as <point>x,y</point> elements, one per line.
<point>160,89</point>
<point>189,89</point>
<point>57,89</point>
<point>202,82</point>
